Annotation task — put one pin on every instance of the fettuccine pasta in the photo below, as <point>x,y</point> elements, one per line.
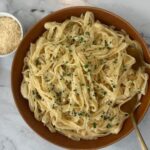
<point>78,74</point>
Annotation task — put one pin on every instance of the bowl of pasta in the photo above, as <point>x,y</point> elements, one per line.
<point>71,74</point>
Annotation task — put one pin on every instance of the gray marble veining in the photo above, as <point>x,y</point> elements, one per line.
<point>14,132</point>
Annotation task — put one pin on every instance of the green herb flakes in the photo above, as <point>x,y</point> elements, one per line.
<point>108,125</point>
<point>87,33</point>
<point>81,39</point>
<point>104,93</point>
<point>94,125</point>
<point>114,86</point>
<point>37,62</point>
<point>102,61</point>
<point>36,94</point>
<point>115,61</point>
<point>88,88</point>
<point>81,113</point>
<point>82,84</point>
<point>86,66</point>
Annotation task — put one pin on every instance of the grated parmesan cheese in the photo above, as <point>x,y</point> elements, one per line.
<point>10,35</point>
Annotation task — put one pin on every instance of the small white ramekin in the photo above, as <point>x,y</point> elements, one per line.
<point>4,14</point>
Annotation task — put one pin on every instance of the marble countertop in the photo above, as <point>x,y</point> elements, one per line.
<point>14,132</point>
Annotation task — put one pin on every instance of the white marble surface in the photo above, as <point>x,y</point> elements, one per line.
<point>14,132</point>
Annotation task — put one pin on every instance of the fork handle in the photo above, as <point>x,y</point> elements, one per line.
<point>138,133</point>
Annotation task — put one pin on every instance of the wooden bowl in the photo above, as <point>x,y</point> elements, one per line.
<point>16,78</point>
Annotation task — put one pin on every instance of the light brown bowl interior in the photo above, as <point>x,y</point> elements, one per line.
<point>16,78</point>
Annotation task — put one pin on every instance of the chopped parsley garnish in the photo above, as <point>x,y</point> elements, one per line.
<point>58,94</point>
<point>86,66</point>
<point>46,78</point>
<point>81,113</point>
<point>94,125</point>
<point>74,113</point>
<point>139,90</point>
<point>37,62</point>
<point>109,48</point>
<point>102,61</point>
<point>117,124</point>
<point>94,42</point>
<point>115,105</point>
<point>109,125</point>
<point>87,33</point>
<point>69,74</point>
<point>109,102</point>
<point>114,86</point>
<point>104,93</point>
<point>53,106</point>
<point>58,101</point>
<point>106,45</point>
<point>81,39</point>
<point>56,57</point>
<point>88,88</point>
<point>75,90</point>
<point>105,117</point>
<point>124,67</point>
<point>36,94</point>
<point>115,61</point>
<point>112,118</point>
<point>89,23</point>
<point>78,94</point>
<point>89,70</point>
